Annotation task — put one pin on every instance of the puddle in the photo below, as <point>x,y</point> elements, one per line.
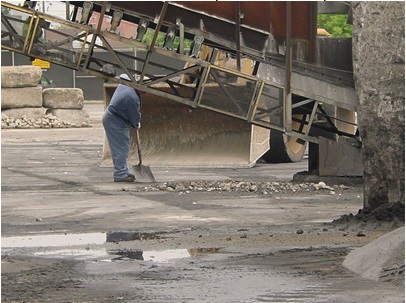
<point>53,240</point>
<point>103,255</point>
<point>77,254</point>
<point>132,236</point>
<point>76,239</point>
<point>163,256</point>
<point>69,246</point>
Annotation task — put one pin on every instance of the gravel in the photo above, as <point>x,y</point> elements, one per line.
<point>264,188</point>
<point>49,121</point>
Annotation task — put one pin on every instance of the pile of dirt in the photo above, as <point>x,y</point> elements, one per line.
<point>394,213</point>
<point>388,212</point>
<point>382,259</point>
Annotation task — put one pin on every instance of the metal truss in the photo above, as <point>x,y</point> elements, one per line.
<point>89,49</point>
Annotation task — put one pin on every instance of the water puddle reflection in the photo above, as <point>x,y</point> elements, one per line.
<point>77,254</point>
<point>70,246</point>
<point>53,240</point>
<point>157,256</point>
<point>122,236</point>
<point>76,239</point>
<point>105,255</point>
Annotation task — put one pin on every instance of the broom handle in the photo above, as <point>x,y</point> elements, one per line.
<point>137,136</point>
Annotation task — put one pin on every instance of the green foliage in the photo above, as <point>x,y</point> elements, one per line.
<point>150,34</point>
<point>161,38</point>
<point>335,24</point>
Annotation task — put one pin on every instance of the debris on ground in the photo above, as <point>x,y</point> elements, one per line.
<point>49,121</point>
<point>394,212</point>
<point>264,188</point>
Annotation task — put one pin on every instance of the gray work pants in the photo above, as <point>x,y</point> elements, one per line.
<point>118,136</point>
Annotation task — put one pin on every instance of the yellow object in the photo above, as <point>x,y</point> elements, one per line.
<point>41,63</point>
<point>323,32</point>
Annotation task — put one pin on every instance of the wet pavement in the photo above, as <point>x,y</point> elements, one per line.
<point>70,234</point>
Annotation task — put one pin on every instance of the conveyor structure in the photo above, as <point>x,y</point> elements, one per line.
<point>265,88</point>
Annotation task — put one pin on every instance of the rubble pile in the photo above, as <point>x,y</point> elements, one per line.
<point>48,121</point>
<point>264,188</point>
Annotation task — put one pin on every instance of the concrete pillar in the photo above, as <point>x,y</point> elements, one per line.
<point>379,72</point>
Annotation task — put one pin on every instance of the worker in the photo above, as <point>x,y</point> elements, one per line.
<point>123,112</point>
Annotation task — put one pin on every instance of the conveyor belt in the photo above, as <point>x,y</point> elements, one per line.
<point>259,99</point>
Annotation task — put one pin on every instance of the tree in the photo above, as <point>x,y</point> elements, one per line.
<point>335,24</point>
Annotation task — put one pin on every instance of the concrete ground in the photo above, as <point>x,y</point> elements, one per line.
<point>69,234</point>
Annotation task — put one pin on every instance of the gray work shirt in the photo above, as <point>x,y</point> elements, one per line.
<point>126,104</point>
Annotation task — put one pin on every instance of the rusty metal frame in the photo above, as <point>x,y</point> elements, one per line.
<point>311,117</point>
<point>150,83</point>
<point>317,110</point>
<point>152,46</point>
<point>247,114</point>
<point>255,107</point>
<point>12,32</point>
<point>82,37</point>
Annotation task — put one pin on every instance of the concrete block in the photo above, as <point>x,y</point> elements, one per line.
<point>21,97</point>
<point>66,98</point>
<point>339,159</point>
<point>20,76</point>
<point>76,117</point>
<point>19,113</point>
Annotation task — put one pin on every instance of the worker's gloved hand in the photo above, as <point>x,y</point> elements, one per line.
<point>139,125</point>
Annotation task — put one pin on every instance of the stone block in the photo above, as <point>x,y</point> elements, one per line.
<point>21,97</point>
<point>75,117</point>
<point>28,112</point>
<point>20,76</point>
<point>339,159</point>
<point>64,98</point>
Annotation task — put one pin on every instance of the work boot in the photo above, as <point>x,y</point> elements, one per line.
<point>128,178</point>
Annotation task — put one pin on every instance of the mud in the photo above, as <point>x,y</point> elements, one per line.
<point>70,234</point>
